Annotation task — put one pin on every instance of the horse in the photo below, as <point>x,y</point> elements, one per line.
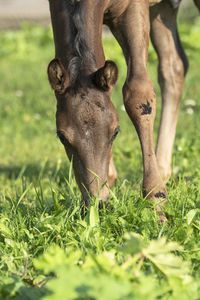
<point>86,119</point>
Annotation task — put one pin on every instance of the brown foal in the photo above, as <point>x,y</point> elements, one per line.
<point>86,119</point>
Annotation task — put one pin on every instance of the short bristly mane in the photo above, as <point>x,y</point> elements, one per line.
<point>83,57</point>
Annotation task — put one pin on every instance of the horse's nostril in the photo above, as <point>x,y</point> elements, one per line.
<point>107,198</point>
<point>104,196</point>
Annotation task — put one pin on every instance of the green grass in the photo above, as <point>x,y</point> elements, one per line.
<point>47,251</point>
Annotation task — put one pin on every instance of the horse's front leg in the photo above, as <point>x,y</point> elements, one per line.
<point>132,32</point>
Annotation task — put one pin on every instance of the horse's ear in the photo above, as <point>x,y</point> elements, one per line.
<point>106,77</point>
<point>58,76</point>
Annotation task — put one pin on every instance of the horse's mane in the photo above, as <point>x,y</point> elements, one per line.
<point>83,57</point>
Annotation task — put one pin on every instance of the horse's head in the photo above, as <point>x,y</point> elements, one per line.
<point>87,124</point>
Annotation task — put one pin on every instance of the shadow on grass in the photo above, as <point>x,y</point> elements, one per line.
<point>35,171</point>
<point>58,172</point>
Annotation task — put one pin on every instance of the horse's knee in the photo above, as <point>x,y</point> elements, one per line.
<point>139,100</point>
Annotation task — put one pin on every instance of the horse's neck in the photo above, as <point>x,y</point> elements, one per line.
<point>90,28</point>
<point>77,27</point>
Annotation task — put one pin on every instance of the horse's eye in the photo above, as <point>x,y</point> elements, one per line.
<point>61,137</point>
<point>115,133</point>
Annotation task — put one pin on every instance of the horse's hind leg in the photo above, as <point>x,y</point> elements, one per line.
<point>132,32</point>
<point>172,67</point>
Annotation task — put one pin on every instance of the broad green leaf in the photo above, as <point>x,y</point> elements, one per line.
<point>134,243</point>
<point>159,252</point>
<point>190,215</point>
<point>51,259</point>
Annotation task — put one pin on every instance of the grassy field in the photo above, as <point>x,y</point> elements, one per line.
<point>46,250</point>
